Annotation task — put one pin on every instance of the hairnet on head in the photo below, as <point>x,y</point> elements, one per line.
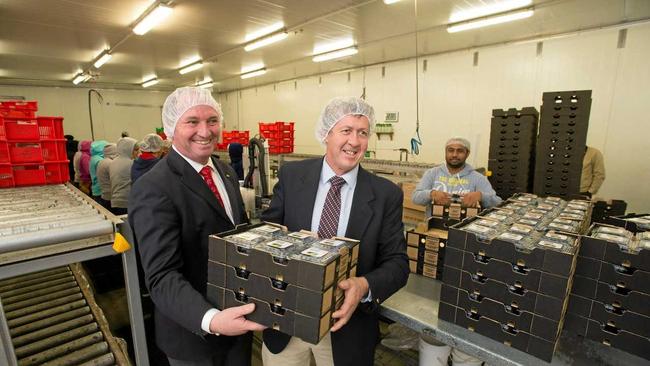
<point>151,143</point>
<point>460,141</point>
<point>340,107</point>
<point>183,99</point>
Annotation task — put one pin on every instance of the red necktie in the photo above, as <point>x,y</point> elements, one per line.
<point>206,173</point>
<point>329,218</point>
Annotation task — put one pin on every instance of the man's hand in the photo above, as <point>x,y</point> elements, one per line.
<point>440,198</point>
<point>356,288</point>
<point>471,199</point>
<point>231,321</point>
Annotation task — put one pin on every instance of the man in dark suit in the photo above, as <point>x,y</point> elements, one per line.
<point>363,206</point>
<point>173,209</point>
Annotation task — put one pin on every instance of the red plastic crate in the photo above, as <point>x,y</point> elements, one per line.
<point>4,152</point>
<point>18,129</point>
<point>6,176</point>
<point>25,152</point>
<point>53,150</point>
<point>280,142</point>
<point>50,127</point>
<point>18,109</point>
<point>29,175</point>
<point>280,149</point>
<point>284,126</point>
<point>57,172</point>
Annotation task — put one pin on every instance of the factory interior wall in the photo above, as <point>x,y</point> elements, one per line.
<point>455,97</point>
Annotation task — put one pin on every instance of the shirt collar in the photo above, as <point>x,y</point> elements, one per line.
<point>196,166</point>
<point>327,172</point>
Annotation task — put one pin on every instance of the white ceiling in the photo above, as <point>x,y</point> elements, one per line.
<point>46,42</point>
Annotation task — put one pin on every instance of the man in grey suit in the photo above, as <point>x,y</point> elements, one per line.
<point>173,209</point>
<point>335,196</point>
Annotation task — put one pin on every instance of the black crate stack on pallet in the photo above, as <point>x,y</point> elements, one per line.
<point>561,142</point>
<point>610,298</point>
<point>508,280</point>
<point>512,150</point>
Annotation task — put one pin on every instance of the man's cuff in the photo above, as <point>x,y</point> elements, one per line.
<point>207,318</point>
<point>367,298</point>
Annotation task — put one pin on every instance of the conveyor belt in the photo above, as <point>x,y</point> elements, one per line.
<point>37,216</point>
<point>54,320</point>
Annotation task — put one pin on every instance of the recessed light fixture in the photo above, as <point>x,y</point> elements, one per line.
<point>150,82</point>
<point>191,67</point>
<point>155,17</point>
<point>103,58</point>
<point>332,55</point>
<point>388,2</point>
<point>490,20</point>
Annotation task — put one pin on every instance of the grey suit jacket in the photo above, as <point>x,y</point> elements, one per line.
<point>172,212</point>
<point>376,220</point>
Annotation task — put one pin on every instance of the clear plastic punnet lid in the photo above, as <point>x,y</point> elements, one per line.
<point>246,239</point>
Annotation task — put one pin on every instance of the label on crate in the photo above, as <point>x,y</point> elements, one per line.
<point>332,242</point>
<point>549,244</point>
<point>269,229</point>
<point>510,236</point>
<point>301,236</point>
<point>521,228</point>
<point>246,237</point>
<point>314,252</point>
<point>280,244</point>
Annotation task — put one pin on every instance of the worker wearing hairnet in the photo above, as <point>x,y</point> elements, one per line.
<point>335,196</point>
<point>173,209</point>
<point>456,178</point>
<point>150,151</point>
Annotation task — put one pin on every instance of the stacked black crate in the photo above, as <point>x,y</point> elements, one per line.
<point>507,276</point>
<point>511,159</point>
<point>561,142</point>
<point>611,289</point>
<point>604,209</point>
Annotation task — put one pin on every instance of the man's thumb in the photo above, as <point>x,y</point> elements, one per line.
<point>246,309</point>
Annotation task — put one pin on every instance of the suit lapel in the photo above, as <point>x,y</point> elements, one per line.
<point>231,190</point>
<point>193,181</point>
<point>361,212</point>
<point>306,193</point>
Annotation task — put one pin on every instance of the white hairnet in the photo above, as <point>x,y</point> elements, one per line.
<point>340,107</point>
<point>151,143</point>
<point>460,141</point>
<point>183,99</point>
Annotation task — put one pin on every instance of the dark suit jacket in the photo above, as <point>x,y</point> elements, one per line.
<point>172,212</point>
<point>375,220</point>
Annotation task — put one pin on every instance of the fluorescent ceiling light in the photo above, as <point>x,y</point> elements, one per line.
<point>265,41</point>
<point>155,17</point>
<point>388,2</point>
<point>206,84</point>
<point>149,83</point>
<point>494,8</point>
<point>336,54</point>
<point>189,68</point>
<point>252,67</point>
<point>332,46</point>
<point>264,31</point>
<point>103,58</point>
<point>252,74</point>
<point>484,22</point>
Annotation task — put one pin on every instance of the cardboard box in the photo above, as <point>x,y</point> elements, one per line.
<point>408,189</point>
<point>588,267</point>
<point>309,329</point>
<point>614,337</point>
<point>635,280</point>
<point>611,252</point>
<point>286,295</point>
<point>585,287</point>
<point>621,318</point>
<point>632,300</point>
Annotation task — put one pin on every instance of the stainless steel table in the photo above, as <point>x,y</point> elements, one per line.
<point>416,306</point>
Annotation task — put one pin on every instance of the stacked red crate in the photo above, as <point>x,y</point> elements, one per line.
<point>32,149</point>
<point>229,137</point>
<point>279,136</point>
